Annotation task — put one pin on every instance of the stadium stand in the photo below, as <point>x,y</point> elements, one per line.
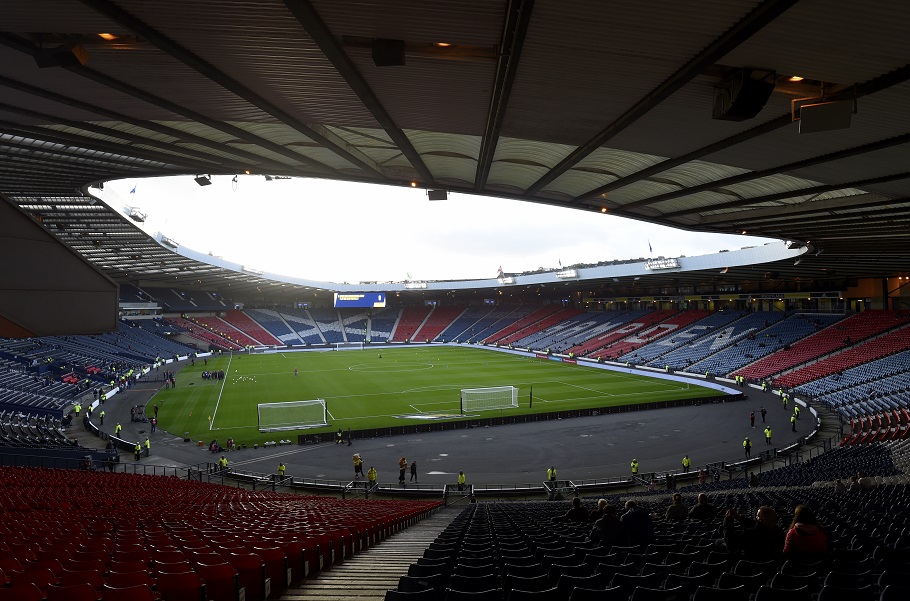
<point>195,330</point>
<point>356,325</point>
<point>275,325</point>
<point>887,344</point>
<point>500,318</point>
<point>643,329</point>
<point>158,520</point>
<point>382,323</point>
<point>535,328</point>
<point>694,351</point>
<point>409,323</point>
<point>438,320</point>
<point>844,333</point>
<point>303,324</point>
<point>607,331</point>
<point>180,301</point>
<point>524,324</point>
<point>329,323</point>
<point>224,329</point>
<point>763,342</point>
<point>555,337</point>
<point>704,326</point>
<point>462,327</point>
<point>249,327</point>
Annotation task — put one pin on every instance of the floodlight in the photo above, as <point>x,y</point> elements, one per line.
<point>203,180</point>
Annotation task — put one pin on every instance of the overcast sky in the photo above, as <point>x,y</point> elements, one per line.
<point>346,232</point>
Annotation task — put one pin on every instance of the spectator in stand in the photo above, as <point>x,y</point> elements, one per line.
<point>608,529</point>
<point>806,538</point>
<point>637,525</point>
<point>597,512</point>
<point>577,513</point>
<point>865,482</point>
<point>760,539</point>
<point>677,512</point>
<point>703,510</point>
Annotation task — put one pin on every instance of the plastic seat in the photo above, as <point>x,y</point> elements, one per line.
<point>836,593</point>
<point>42,578</point>
<point>53,565</point>
<point>21,592</point>
<point>90,577</point>
<point>75,592</point>
<point>608,594</point>
<point>651,594</point>
<point>707,593</point>
<point>409,584</point>
<point>489,595</point>
<point>140,592</point>
<point>221,581</point>
<point>276,566</point>
<point>426,595</point>
<point>472,584</point>
<point>10,565</point>
<point>750,583</point>
<point>550,594</point>
<point>418,571</point>
<point>567,583</point>
<point>126,579</point>
<point>769,593</point>
<point>787,581</point>
<point>251,570</point>
<point>137,565</point>
<point>525,583</point>
<point>183,586</point>
<point>475,571</point>
<point>86,565</point>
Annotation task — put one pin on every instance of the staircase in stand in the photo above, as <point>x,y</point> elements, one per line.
<point>369,574</point>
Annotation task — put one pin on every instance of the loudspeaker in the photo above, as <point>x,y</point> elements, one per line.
<point>62,56</point>
<point>825,116</point>
<point>742,94</point>
<point>437,194</point>
<point>388,53</point>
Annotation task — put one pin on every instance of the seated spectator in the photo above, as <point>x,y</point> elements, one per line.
<point>577,513</point>
<point>703,510</point>
<point>597,513</point>
<point>806,538</point>
<point>840,486</point>
<point>865,482</point>
<point>637,525</point>
<point>608,529</point>
<point>677,511</point>
<point>854,485</point>
<point>759,539</point>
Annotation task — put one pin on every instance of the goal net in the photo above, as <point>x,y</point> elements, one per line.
<point>293,415</point>
<point>349,346</point>
<point>486,399</point>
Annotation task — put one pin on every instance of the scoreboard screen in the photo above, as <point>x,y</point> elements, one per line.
<point>360,299</point>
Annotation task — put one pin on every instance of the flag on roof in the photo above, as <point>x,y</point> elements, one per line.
<point>499,272</point>
<point>560,262</point>
<point>409,276</point>
<point>133,191</point>
<point>650,250</point>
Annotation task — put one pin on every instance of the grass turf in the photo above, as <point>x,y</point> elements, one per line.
<point>381,387</point>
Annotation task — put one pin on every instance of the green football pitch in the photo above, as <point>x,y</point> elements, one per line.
<point>382,387</point>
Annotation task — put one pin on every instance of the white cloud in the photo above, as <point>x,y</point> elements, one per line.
<point>340,231</point>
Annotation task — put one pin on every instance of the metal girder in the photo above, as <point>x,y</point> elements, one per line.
<point>149,125</point>
<point>328,43</point>
<point>518,16</point>
<point>760,16</point>
<point>753,175</point>
<point>172,48</point>
<point>784,195</point>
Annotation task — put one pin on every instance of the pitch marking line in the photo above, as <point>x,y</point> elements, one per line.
<point>227,373</point>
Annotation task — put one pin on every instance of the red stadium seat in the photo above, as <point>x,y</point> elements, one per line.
<point>75,592</point>
<point>130,593</point>
<point>184,586</point>
<point>21,592</point>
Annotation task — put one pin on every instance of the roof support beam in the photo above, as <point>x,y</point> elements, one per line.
<point>761,16</point>
<point>754,175</point>
<point>254,159</point>
<point>873,86</point>
<point>518,16</point>
<point>169,46</point>
<point>328,43</point>
<point>744,202</point>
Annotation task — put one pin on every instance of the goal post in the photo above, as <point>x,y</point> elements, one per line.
<point>349,346</point>
<point>487,399</point>
<point>292,415</point>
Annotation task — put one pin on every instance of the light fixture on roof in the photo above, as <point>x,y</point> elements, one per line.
<point>795,78</point>
<point>443,44</point>
<point>247,171</point>
<point>413,184</point>
<point>798,261</point>
<point>203,180</point>
<point>107,36</point>
<point>603,209</point>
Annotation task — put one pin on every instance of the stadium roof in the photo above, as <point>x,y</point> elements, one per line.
<point>590,105</point>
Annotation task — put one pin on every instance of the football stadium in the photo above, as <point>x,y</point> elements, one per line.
<point>179,426</point>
